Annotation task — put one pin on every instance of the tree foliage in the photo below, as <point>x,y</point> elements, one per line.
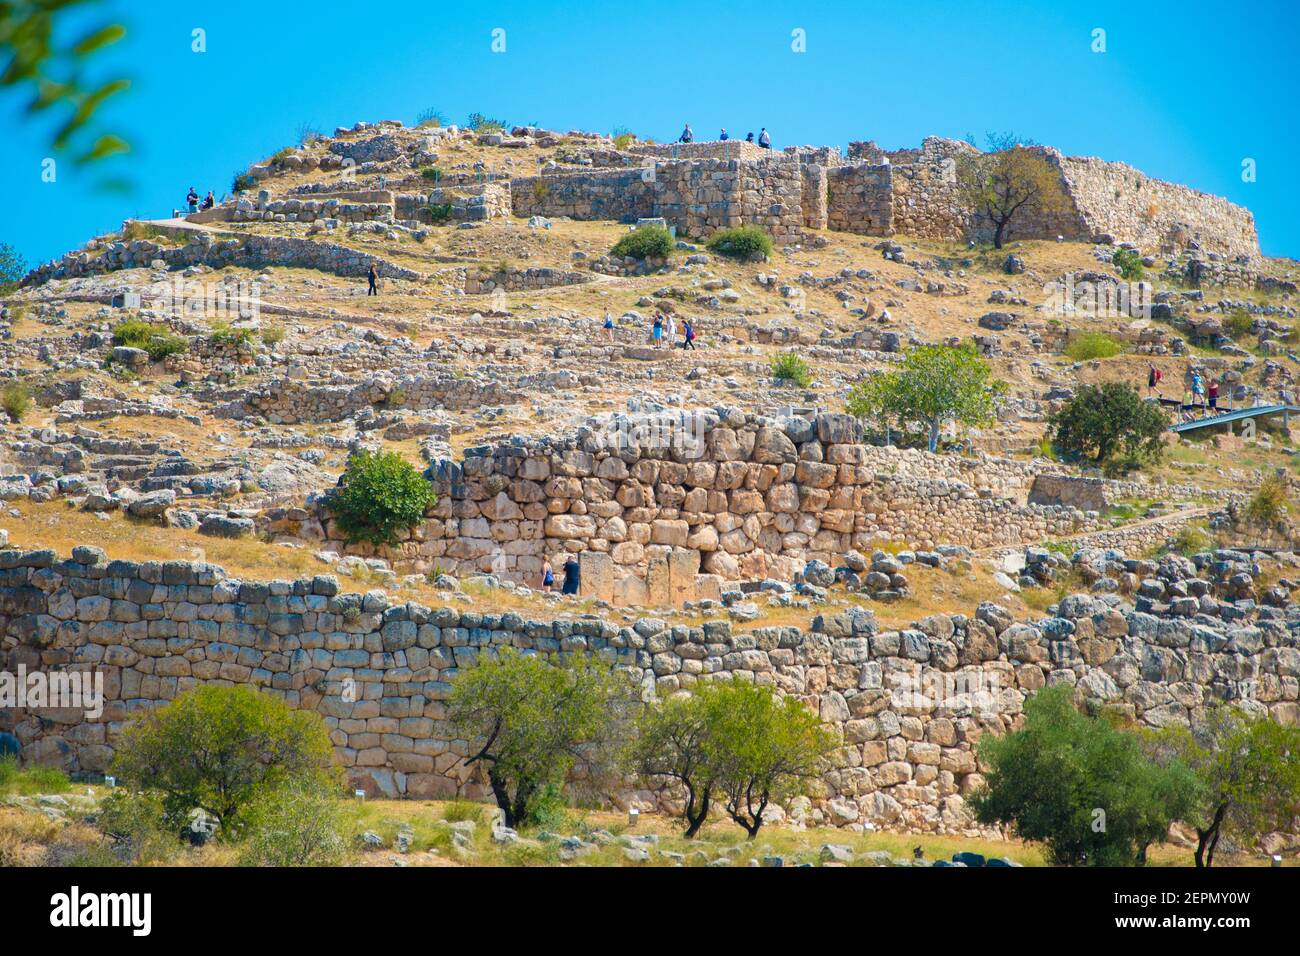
<point>1128,263</point>
<point>935,385</point>
<point>220,748</point>
<point>734,742</point>
<point>1080,785</point>
<point>381,495</point>
<point>1109,424</point>
<point>745,243</point>
<point>37,58</point>
<point>530,722</point>
<point>1248,771</point>
<point>12,268</point>
<point>1008,182</point>
<point>645,242</point>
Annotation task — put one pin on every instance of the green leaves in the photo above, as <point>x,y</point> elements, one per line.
<point>27,37</point>
<point>381,496</point>
<point>1111,425</point>
<point>935,384</point>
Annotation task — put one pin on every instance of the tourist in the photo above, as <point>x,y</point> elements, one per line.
<point>672,330</point>
<point>1214,394</point>
<point>749,137</point>
<point>548,575</point>
<point>688,135</point>
<point>1198,390</point>
<point>373,275</point>
<point>1153,380</point>
<point>723,134</point>
<point>764,140</point>
<point>570,576</point>
<point>658,330</point>
<point>192,199</point>
<point>209,200</point>
<point>688,332</point>
<point>609,326</point>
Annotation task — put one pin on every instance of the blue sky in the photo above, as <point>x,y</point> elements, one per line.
<point>1185,91</point>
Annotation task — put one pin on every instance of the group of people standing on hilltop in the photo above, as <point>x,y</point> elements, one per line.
<point>192,200</point>
<point>1204,392</point>
<point>764,138</point>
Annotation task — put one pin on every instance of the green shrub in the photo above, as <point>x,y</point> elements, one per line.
<point>157,340</point>
<point>136,820</point>
<point>1269,505</point>
<point>381,496</point>
<point>12,268</point>
<point>223,333</point>
<point>1192,539</point>
<point>458,811</point>
<point>294,826</point>
<point>439,212</point>
<point>28,781</point>
<point>243,182</point>
<point>431,118</point>
<point>272,333</point>
<point>15,400</point>
<point>220,749</point>
<point>746,243</point>
<point>1239,324</point>
<point>1109,424</point>
<point>431,173</point>
<point>647,242</point>
<point>484,124</point>
<point>789,367</point>
<point>1086,346</point>
<point>623,138</point>
<point>1129,264</point>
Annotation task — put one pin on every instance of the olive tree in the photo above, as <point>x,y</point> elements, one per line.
<point>1109,424</point>
<point>530,722</point>
<point>934,385</point>
<point>1008,182</point>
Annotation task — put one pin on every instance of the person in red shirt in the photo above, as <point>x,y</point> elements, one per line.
<point>1214,393</point>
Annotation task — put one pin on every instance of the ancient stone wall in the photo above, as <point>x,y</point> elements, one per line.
<point>911,704</point>
<point>622,195</point>
<point>860,199</point>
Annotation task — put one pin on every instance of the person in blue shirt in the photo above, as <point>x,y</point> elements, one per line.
<point>609,327</point>
<point>723,135</point>
<point>658,330</point>
<point>688,135</point>
<point>570,576</point>
<point>764,140</point>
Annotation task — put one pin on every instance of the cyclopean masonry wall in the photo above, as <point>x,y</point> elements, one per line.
<point>911,704</point>
<point>652,500</point>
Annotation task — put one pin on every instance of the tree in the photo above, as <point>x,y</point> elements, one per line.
<point>530,722</point>
<point>1080,785</point>
<point>762,747</point>
<point>645,242</point>
<point>1109,424</point>
<point>12,268</point>
<point>380,496</point>
<point>37,56</point>
<point>672,742</point>
<point>1011,180</point>
<point>221,748</point>
<point>935,384</point>
<point>1248,769</point>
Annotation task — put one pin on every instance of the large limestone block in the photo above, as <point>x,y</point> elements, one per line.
<point>596,575</point>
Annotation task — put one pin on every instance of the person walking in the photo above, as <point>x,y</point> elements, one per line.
<point>672,330</point>
<point>373,275</point>
<point>1198,390</point>
<point>548,575</point>
<point>658,330</point>
<point>1153,380</point>
<point>688,332</point>
<point>688,135</point>
<point>609,326</point>
<point>1213,394</point>
<point>571,576</point>
<point>764,140</point>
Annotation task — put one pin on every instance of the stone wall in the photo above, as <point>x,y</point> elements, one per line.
<point>860,199</point>
<point>622,195</point>
<point>911,705</point>
<point>723,493</point>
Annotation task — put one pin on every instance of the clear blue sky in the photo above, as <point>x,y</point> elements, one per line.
<point>1185,90</point>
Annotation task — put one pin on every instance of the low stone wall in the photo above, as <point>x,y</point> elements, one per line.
<point>621,195</point>
<point>911,705</point>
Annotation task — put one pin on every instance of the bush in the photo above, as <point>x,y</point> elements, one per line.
<point>272,333</point>
<point>1109,424</point>
<point>1268,506</point>
<point>647,242</point>
<point>220,749</point>
<point>432,173</point>
<point>243,182</point>
<point>223,333</point>
<point>458,811</point>
<point>1239,324</point>
<point>746,243</point>
<point>1129,264</point>
<point>294,826</point>
<point>789,367</point>
<point>12,268</point>
<point>32,780</point>
<point>157,340</point>
<point>439,212</point>
<point>623,138</point>
<point>1192,539</point>
<point>484,124</point>
<point>431,118</point>
<point>137,823</point>
<point>381,496</point>
<point>1080,785</point>
<point>15,400</point>
<point>1086,346</point>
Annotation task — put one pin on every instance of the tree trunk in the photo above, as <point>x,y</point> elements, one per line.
<point>997,234</point>
<point>696,820</point>
<point>1208,839</point>
<point>934,435</point>
<point>502,796</point>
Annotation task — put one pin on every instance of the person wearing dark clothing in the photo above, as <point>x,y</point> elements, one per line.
<point>688,135</point>
<point>688,331</point>
<point>192,200</point>
<point>373,275</point>
<point>570,577</point>
<point>209,200</point>
<point>749,137</point>
<point>723,135</point>
<point>1153,380</point>
<point>764,140</point>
